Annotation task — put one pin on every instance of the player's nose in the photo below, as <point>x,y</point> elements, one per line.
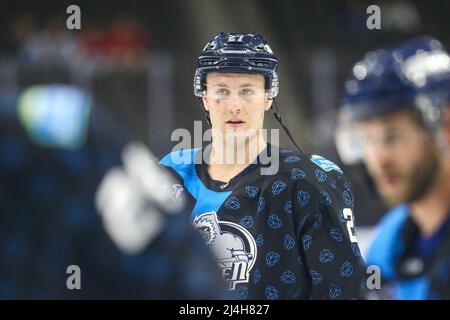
<point>382,156</point>
<point>234,105</point>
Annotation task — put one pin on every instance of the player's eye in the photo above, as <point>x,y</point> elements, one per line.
<point>392,137</point>
<point>247,92</point>
<point>222,92</point>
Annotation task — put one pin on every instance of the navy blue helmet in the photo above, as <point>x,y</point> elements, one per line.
<point>241,53</point>
<point>415,74</point>
<point>376,87</point>
<point>425,65</point>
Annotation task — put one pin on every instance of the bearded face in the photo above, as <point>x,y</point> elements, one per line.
<point>400,156</point>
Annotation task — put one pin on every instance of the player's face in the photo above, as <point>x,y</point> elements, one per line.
<point>400,156</point>
<point>236,101</point>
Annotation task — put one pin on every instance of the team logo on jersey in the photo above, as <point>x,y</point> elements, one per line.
<point>325,164</point>
<point>234,248</point>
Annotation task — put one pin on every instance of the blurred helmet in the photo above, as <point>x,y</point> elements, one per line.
<point>240,53</point>
<point>425,65</point>
<point>375,87</point>
<point>415,74</point>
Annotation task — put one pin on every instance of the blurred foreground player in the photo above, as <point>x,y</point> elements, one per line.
<point>75,191</point>
<point>280,223</point>
<point>398,102</point>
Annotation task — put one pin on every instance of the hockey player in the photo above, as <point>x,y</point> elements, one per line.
<point>80,216</point>
<point>281,228</point>
<point>397,101</point>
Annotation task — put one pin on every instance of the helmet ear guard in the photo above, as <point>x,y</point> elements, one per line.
<point>273,87</point>
<point>199,84</point>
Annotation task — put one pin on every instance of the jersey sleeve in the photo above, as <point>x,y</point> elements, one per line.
<point>329,250</point>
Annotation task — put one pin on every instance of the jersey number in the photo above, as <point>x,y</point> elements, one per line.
<point>350,227</point>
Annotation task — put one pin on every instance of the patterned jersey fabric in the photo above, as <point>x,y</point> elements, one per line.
<point>287,235</point>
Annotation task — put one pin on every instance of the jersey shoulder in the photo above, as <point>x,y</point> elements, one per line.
<point>386,244</point>
<point>181,161</point>
<point>309,168</point>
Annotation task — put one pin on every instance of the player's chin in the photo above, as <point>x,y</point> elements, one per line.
<point>236,131</point>
<point>392,196</point>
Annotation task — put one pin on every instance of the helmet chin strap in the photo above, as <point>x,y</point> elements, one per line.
<point>208,118</point>
<point>276,114</point>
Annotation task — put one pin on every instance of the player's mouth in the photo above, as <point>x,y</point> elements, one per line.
<point>235,123</point>
<point>389,180</point>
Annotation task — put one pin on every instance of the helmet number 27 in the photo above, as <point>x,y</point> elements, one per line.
<point>235,37</point>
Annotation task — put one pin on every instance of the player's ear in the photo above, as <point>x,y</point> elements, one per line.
<point>268,104</point>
